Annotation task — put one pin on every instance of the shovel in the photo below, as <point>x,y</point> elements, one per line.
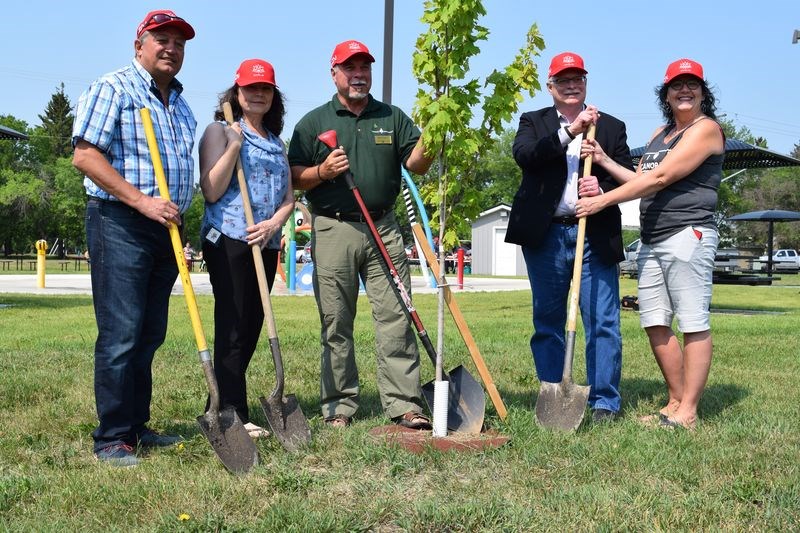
<point>223,428</point>
<point>283,413</point>
<point>562,405</point>
<point>466,399</point>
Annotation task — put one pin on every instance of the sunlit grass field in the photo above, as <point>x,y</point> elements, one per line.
<point>740,470</point>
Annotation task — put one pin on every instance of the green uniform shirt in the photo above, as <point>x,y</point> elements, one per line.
<point>376,143</point>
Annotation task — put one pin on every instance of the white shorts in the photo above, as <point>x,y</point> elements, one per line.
<point>675,277</point>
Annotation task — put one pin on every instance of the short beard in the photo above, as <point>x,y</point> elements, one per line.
<point>355,95</point>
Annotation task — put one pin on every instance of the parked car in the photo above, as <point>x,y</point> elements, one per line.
<point>783,259</point>
<point>632,250</point>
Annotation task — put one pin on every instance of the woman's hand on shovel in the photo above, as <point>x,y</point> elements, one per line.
<point>262,232</point>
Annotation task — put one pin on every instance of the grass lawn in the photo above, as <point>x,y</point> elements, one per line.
<point>740,470</point>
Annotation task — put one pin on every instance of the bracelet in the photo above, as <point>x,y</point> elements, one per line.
<point>318,174</point>
<point>571,136</point>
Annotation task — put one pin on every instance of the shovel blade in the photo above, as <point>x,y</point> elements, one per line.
<point>466,404</point>
<point>230,441</point>
<point>286,420</point>
<point>561,405</point>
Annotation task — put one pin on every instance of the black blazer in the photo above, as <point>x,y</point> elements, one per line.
<point>537,150</point>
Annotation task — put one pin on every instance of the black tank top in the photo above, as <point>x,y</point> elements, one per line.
<point>690,201</point>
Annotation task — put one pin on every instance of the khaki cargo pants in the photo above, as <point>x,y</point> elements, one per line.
<point>343,252</point>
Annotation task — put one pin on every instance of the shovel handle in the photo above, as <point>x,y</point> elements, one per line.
<point>258,260</point>
<point>577,268</point>
<point>186,281</point>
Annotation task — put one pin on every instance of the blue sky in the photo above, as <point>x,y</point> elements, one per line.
<point>745,47</point>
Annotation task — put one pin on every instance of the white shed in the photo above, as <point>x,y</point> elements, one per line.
<point>490,253</point>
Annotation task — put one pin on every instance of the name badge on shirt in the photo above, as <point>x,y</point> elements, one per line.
<point>382,136</point>
<point>213,236</point>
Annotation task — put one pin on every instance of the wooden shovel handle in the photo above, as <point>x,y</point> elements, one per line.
<point>578,264</point>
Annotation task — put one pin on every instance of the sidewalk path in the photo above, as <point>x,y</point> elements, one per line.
<point>81,284</point>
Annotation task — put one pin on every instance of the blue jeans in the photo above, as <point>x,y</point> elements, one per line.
<point>550,273</point>
<point>133,271</point>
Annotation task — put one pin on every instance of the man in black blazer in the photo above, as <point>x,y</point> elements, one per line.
<point>543,223</point>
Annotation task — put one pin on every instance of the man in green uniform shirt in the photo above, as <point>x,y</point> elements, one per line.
<point>375,138</point>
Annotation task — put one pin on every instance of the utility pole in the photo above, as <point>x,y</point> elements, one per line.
<point>388,38</point>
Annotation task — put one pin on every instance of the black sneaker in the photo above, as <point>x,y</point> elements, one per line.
<point>602,416</point>
<point>117,455</point>
<point>151,439</point>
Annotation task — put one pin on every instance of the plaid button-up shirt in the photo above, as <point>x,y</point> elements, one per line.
<point>108,116</point>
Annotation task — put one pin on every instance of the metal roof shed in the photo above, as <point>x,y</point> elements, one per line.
<point>490,253</point>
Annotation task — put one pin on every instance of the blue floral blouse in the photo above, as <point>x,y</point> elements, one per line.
<point>267,172</point>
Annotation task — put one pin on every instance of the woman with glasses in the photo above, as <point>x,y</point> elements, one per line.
<point>258,111</point>
<point>677,180</point>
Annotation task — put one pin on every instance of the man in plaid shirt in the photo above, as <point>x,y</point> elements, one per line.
<point>133,265</point>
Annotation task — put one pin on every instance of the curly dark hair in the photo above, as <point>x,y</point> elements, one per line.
<point>708,105</point>
<point>273,120</point>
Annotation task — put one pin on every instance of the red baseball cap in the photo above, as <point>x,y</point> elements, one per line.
<point>563,61</point>
<point>683,66</point>
<point>348,49</point>
<point>161,18</point>
<point>254,71</point>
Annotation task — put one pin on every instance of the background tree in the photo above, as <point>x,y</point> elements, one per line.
<point>56,128</point>
<point>192,219</point>
<point>497,175</point>
<point>67,205</point>
<point>20,191</point>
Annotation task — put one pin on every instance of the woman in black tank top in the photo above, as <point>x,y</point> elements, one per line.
<point>677,180</point>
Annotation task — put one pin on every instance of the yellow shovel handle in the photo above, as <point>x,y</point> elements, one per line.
<point>174,234</point>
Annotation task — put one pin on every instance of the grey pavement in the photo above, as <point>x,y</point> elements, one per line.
<point>81,284</point>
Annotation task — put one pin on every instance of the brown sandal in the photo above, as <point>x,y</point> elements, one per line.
<point>412,420</point>
<point>338,421</point>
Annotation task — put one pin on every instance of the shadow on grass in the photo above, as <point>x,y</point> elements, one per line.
<point>717,398</point>
<point>47,302</point>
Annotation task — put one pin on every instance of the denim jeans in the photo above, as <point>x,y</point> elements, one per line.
<point>550,273</point>
<point>133,271</point>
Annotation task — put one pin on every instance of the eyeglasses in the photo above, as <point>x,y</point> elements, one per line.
<point>160,18</point>
<point>693,85</point>
<point>563,82</point>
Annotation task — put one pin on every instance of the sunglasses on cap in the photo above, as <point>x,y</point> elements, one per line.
<point>160,18</point>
